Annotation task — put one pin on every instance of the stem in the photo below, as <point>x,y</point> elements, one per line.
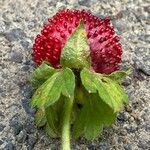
<point>66,124</point>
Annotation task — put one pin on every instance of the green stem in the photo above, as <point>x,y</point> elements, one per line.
<point>66,124</point>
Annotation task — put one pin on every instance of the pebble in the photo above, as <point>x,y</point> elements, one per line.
<point>31,142</point>
<point>32,24</point>
<point>123,132</point>
<point>121,118</point>
<point>21,137</point>
<point>144,145</point>
<point>2,127</point>
<point>26,105</point>
<point>30,126</point>
<point>15,34</point>
<point>25,44</point>
<point>10,146</point>
<point>16,57</point>
<point>16,125</point>
<point>2,115</point>
<point>1,142</point>
<point>84,2</point>
<point>142,63</point>
<point>2,27</point>
<point>128,147</point>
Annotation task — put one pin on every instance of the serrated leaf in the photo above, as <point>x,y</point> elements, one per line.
<point>119,75</point>
<point>50,131</point>
<point>76,52</point>
<point>49,92</point>
<point>41,74</point>
<point>52,119</point>
<point>68,84</point>
<point>109,90</point>
<point>40,118</point>
<point>93,116</point>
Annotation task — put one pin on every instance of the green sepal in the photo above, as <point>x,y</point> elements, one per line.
<point>119,75</point>
<point>93,116</point>
<point>76,52</point>
<point>109,90</point>
<point>41,74</point>
<point>52,120</point>
<point>50,131</point>
<point>61,82</point>
<point>40,118</point>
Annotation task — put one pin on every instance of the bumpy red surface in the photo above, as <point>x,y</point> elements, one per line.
<point>104,44</point>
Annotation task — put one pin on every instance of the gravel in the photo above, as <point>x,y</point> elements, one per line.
<point>20,21</point>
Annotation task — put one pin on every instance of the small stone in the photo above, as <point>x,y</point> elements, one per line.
<point>128,108</point>
<point>2,27</point>
<point>147,127</point>
<point>32,24</point>
<point>1,90</point>
<point>141,59</point>
<point>21,137</point>
<point>132,129</point>
<point>144,37</point>
<point>126,82</point>
<point>31,142</point>
<point>10,146</point>
<point>26,68</point>
<point>121,117</point>
<point>144,145</point>
<point>121,26</point>
<point>123,132</point>
<point>16,125</point>
<point>72,2</point>
<point>84,2</point>
<point>25,44</point>
<point>16,57</point>
<point>1,142</point>
<point>2,115</point>
<point>147,9</point>
<point>15,34</point>
<point>27,107</point>
<point>30,126</point>
<point>26,91</point>
<point>128,147</point>
<point>2,127</point>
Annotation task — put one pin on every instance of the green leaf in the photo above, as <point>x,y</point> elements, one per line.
<point>50,131</point>
<point>40,118</point>
<point>54,115</point>
<point>52,119</point>
<point>119,75</point>
<point>92,117</point>
<point>68,82</point>
<point>41,74</point>
<point>49,92</point>
<point>110,91</point>
<point>76,52</point>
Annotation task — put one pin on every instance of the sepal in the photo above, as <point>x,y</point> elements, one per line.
<point>109,90</point>
<point>61,82</point>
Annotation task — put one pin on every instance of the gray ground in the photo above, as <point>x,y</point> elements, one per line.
<point>20,21</point>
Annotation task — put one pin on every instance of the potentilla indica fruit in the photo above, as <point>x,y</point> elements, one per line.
<point>77,82</point>
<point>105,49</point>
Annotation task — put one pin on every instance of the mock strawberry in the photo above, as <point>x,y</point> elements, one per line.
<point>105,49</point>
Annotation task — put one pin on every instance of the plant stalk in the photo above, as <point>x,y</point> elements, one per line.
<point>66,124</point>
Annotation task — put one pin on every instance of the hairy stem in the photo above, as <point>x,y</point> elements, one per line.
<point>66,124</point>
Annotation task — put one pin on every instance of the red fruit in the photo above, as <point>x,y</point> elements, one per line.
<point>105,49</point>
